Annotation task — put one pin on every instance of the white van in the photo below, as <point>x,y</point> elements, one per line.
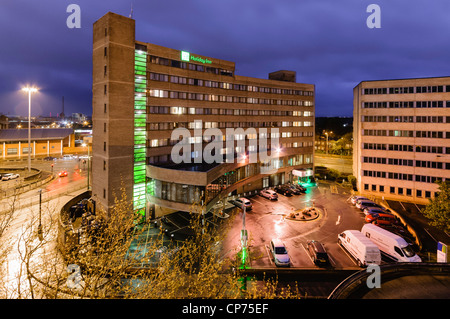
<point>391,245</point>
<point>360,247</point>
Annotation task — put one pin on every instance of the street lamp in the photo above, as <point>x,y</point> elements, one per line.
<point>29,90</point>
<point>88,166</point>
<point>326,133</point>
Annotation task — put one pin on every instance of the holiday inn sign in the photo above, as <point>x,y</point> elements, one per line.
<point>186,56</point>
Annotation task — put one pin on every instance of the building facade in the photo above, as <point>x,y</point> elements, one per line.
<point>148,99</point>
<point>44,142</point>
<point>402,137</point>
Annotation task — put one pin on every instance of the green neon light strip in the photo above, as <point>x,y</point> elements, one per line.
<point>140,134</point>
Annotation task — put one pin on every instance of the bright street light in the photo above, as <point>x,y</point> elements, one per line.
<point>29,90</point>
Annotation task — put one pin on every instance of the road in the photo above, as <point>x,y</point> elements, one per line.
<point>76,179</point>
<point>342,164</point>
<point>21,235</point>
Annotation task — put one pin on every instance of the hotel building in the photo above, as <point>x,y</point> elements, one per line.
<point>142,92</point>
<point>402,137</point>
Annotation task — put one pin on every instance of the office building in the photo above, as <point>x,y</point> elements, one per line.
<point>402,137</point>
<point>143,93</point>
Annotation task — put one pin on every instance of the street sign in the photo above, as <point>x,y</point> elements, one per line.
<point>441,252</point>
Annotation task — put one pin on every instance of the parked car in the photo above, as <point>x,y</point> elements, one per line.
<point>279,253</point>
<point>300,188</point>
<point>317,252</point>
<point>362,249</point>
<point>282,189</point>
<point>68,157</point>
<point>268,193</point>
<point>374,210</point>
<point>8,176</point>
<point>49,158</point>
<point>62,174</point>
<point>367,203</point>
<point>391,245</point>
<point>384,218</point>
<point>294,189</point>
<point>355,198</point>
<point>243,202</point>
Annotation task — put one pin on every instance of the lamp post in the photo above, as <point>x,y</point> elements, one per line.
<point>29,90</point>
<point>326,133</point>
<point>88,161</point>
<point>40,221</point>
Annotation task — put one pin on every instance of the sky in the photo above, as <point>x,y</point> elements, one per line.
<point>326,42</point>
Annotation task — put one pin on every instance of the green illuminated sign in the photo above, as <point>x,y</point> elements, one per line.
<point>186,56</point>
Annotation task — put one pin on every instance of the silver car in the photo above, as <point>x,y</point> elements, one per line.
<point>7,177</point>
<point>268,193</point>
<point>243,202</point>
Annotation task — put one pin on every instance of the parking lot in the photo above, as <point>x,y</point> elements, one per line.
<point>269,219</point>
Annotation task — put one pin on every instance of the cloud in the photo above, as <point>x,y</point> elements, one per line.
<point>326,42</point>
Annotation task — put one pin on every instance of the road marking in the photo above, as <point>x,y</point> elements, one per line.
<point>338,220</point>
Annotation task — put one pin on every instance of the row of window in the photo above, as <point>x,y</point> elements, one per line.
<point>206,125</point>
<point>220,98</point>
<point>189,66</point>
<point>406,162</point>
<point>405,104</point>
<point>407,133</point>
<point>291,160</point>
<point>408,90</point>
<point>406,119</point>
<point>180,110</point>
<point>198,140</point>
<point>224,85</point>
<point>407,148</point>
<point>402,176</point>
<point>398,190</point>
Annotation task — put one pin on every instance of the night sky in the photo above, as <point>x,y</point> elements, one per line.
<point>327,42</point>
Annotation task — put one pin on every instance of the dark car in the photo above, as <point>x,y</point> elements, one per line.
<point>49,158</point>
<point>294,189</point>
<point>284,190</point>
<point>300,188</point>
<point>317,252</point>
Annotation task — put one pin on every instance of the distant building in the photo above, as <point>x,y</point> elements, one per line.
<point>402,137</point>
<point>4,122</point>
<point>44,142</point>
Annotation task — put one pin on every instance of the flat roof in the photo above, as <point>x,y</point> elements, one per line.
<point>405,79</point>
<point>10,135</point>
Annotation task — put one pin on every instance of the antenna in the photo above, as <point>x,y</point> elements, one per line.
<point>131,12</point>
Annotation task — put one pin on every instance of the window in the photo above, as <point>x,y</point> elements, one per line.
<point>11,151</point>
<point>104,146</point>
<point>104,193</point>
<point>104,165</point>
<point>418,193</point>
<point>104,108</point>
<point>398,251</point>
<point>392,190</point>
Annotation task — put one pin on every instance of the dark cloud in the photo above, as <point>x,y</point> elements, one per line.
<point>326,42</point>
